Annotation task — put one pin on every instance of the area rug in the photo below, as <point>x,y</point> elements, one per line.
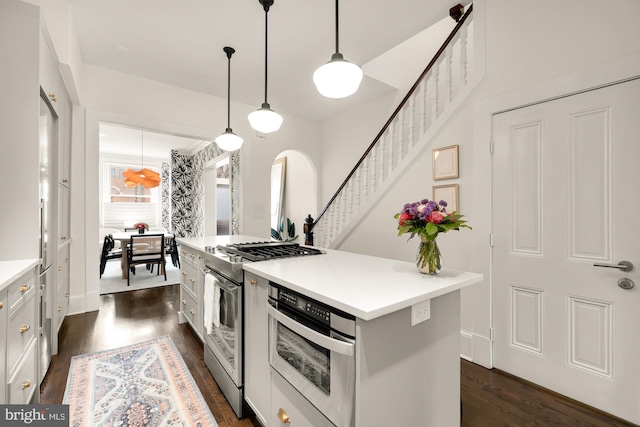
<point>111,281</point>
<point>144,384</point>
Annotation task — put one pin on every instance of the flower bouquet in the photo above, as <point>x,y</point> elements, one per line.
<point>427,219</point>
<point>141,226</point>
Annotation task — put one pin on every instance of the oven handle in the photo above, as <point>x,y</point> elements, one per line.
<point>222,282</point>
<point>342,347</point>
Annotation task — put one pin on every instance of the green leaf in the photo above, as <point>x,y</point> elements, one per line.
<point>432,229</point>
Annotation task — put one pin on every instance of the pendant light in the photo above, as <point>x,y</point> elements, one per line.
<point>265,120</point>
<point>229,141</point>
<point>145,177</point>
<point>337,78</point>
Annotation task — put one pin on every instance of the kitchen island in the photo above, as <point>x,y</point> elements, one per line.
<point>406,345</point>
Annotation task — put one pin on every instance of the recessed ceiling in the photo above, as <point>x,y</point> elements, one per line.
<point>180,43</point>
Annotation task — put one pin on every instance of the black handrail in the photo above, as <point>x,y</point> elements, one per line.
<point>310,225</point>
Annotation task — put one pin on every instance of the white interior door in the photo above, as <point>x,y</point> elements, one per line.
<point>566,196</point>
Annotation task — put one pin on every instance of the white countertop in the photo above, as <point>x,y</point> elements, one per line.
<point>365,286</point>
<point>11,270</point>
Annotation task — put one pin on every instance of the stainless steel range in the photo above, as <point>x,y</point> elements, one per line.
<point>223,309</point>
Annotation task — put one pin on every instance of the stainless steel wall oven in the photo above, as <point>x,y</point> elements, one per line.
<point>312,346</point>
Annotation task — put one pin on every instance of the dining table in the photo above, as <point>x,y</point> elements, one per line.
<point>124,238</point>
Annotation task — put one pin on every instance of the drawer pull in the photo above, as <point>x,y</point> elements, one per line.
<point>253,282</point>
<point>66,181</point>
<point>192,280</point>
<point>66,260</point>
<point>59,268</point>
<point>66,295</point>
<point>283,417</point>
<point>1,304</point>
<point>24,328</point>
<point>192,255</point>
<point>59,309</point>
<point>199,256</point>
<point>24,288</point>
<point>184,252</point>
<point>184,273</point>
<point>193,311</point>
<point>52,96</point>
<point>26,384</point>
<point>184,302</point>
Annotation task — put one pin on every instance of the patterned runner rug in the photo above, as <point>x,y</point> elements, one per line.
<point>144,384</point>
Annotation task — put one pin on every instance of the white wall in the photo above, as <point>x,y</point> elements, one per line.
<point>121,98</point>
<point>527,43</point>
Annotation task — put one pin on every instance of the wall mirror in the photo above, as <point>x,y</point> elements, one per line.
<point>278,170</point>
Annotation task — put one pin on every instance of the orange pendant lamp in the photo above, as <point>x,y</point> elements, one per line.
<point>145,177</point>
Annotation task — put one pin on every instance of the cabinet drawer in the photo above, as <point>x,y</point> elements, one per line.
<point>63,265</point>
<point>25,382</point>
<point>289,408</point>
<point>189,307</point>
<point>189,277</point>
<point>21,288</point>
<point>190,255</point>
<point>22,327</point>
<point>62,302</point>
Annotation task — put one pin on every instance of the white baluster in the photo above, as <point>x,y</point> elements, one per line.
<point>425,103</point>
<point>436,93</point>
<point>412,109</point>
<point>350,197</point>
<point>390,144</point>
<point>358,190</point>
<point>448,57</point>
<point>365,179</point>
<point>374,167</point>
<point>463,54</point>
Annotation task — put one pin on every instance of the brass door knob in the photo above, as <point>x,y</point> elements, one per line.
<point>1,304</point>
<point>184,273</point>
<point>199,256</point>
<point>66,295</point>
<point>59,309</point>
<point>192,280</point>
<point>184,302</point>
<point>59,268</point>
<point>66,260</point>
<point>66,181</point>
<point>253,282</point>
<point>283,417</point>
<point>24,288</point>
<point>24,328</point>
<point>52,96</point>
<point>26,384</point>
<point>192,311</point>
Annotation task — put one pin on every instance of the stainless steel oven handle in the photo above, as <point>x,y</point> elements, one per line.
<point>222,282</point>
<point>332,344</point>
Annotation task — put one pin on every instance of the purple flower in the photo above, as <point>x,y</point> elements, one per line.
<point>442,203</point>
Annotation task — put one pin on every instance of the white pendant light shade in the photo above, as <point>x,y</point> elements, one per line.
<point>229,141</point>
<point>337,78</point>
<point>265,120</point>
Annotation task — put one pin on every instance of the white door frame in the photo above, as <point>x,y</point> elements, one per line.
<point>484,110</point>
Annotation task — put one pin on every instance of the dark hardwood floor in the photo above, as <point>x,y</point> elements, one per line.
<point>490,398</point>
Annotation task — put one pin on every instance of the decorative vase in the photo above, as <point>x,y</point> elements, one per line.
<point>141,230</point>
<point>428,258</point>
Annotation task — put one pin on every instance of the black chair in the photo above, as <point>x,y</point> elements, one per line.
<point>172,249</point>
<point>150,255</point>
<point>108,252</point>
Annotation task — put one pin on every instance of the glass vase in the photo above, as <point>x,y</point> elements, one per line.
<point>428,258</point>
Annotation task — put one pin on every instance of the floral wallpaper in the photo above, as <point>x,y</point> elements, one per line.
<point>187,191</point>
<point>165,198</point>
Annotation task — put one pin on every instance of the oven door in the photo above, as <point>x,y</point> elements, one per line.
<point>223,323</point>
<point>320,364</point>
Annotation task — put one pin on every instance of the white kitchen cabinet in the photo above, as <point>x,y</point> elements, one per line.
<point>61,303</point>
<point>19,323</point>
<point>49,81</point>
<point>256,361</point>
<point>4,309</point>
<point>290,409</point>
<point>191,282</point>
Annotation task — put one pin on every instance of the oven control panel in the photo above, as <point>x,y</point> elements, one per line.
<point>313,309</point>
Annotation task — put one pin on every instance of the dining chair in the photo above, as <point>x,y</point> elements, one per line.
<point>153,254</point>
<point>172,249</point>
<point>108,252</point>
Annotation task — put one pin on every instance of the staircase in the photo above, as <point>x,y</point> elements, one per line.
<point>432,101</point>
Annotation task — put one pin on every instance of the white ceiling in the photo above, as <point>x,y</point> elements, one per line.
<point>180,43</point>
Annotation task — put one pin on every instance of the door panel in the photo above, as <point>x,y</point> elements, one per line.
<point>565,184</point>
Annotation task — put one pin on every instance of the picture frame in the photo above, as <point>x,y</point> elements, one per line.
<point>445,162</point>
<point>448,193</point>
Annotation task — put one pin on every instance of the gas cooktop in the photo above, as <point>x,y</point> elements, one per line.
<point>262,251</point>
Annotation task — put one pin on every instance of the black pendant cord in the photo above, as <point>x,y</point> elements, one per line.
<point>266,32</point>
<point>229,51</point>
<point>228,91</point>
<point>337,44</point>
